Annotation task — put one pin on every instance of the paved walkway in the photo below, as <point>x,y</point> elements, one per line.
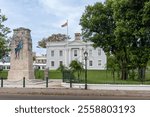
<point>109,86</point>
<point>34,83</point>
<point>56,87</point>
<point>57,83</point>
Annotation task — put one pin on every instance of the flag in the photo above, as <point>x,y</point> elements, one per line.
<point>65,24</point>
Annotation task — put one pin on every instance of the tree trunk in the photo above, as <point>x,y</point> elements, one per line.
<point>124,65</point>
<point>124,72</point>
<point>118,74</point>
<point>113,73</point>
<point>141,73</point>
<point>78,75</point>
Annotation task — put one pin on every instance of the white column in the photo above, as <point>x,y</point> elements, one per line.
<point>65,57</point>
<point>69,56</point>
<point>80,51</point>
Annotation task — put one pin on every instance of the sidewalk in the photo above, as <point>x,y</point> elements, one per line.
<point>34,83</point>
<point>109,86</point>
<point>56,87</point>
<point>57,83</point>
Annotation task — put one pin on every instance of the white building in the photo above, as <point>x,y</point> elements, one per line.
<point>39,63</point>
<point>5,63</point>
<point>64,52</point>
<point>4,66</point>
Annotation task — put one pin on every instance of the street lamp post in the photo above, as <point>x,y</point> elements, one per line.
<point>85,57</point>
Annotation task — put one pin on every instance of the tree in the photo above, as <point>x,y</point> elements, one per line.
<point>76,66</point>
<point>62,68</point>
<point>52,38</point>
<point>42,43</point>
<point>99,26</point>
<point>120,28</point>
<point>144,45</point>
<point>3,35</point>
<point>123,33</point>
<point>113,66</point>
<point>132,21</point>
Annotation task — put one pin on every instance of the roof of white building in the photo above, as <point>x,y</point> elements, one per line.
<point>40,57</point>
<point>5,64</point>
<point>69,43</point>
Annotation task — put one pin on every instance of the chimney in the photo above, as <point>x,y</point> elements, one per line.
<point>77,36</point>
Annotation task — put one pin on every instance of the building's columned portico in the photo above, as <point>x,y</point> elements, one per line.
<point>64,52</point>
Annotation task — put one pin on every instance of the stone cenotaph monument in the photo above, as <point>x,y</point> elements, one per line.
<point>21,63</point>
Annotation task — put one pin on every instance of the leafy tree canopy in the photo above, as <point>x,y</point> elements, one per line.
<point>3,35</point>
<point>52,38</point>
<point>121,28</point>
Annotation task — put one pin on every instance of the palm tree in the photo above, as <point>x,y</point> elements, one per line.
<point>76,66</point>
<point>62,68</point>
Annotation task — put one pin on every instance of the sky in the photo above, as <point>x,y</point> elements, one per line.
<point>44,17</point>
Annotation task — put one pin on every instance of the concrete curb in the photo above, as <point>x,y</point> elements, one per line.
<point>73,92</point>
<point>109,86</point>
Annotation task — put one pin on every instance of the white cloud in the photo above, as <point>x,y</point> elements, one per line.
<point>62,10</point>
<point>58,7</point>
<point>44,17</point>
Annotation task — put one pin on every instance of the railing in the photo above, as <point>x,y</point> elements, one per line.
<point>25,83</point>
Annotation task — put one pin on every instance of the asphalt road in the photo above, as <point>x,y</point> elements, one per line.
<point>66,97</point>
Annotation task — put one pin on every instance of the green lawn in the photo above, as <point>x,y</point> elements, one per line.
<point>103,76</point>
<point>53,74</point>
<point>3,74</point>
<point>93,77</point>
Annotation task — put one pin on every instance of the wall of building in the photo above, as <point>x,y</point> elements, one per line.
<point>39,63</point>
<point>68,49</point>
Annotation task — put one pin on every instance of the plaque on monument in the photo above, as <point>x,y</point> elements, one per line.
<point>21,63</point>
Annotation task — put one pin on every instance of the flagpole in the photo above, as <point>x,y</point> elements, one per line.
<point>67,46</point>
<point>67,38</point>
<point>67,29</point>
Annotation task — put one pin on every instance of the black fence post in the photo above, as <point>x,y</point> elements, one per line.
<point>23,81</point>
<point>70,75</point>
<point>46,82</point>
<point>1,82</point>
<point>63,75</point>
